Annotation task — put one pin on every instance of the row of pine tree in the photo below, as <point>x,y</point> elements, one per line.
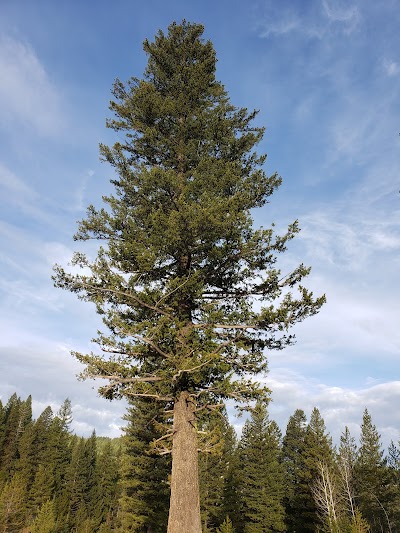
<point>52,481</point>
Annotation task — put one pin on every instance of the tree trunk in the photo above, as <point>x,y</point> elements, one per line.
<point>184,511</point>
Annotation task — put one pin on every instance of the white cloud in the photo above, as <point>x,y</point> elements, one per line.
<point>346,13</point>
<point>339,406</point>
<point>47,371</point>
<point>312,23</point>
<point>280,27</point>
<point>14,185</point>
<point>392,68</point>
<point>27,95</point>
<point>19,194</point>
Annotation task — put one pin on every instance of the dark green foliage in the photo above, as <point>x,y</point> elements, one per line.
<point>13,504</point>
<point>17,415</point>
<point>371,477</point>
<point>80,482</point>
<point>89,485</point>
<point>45,521</point>
<point>34,452</point>
<point>105,493</point>
<point>181,265</point>
<point>231,498</point>
<point>262,475</point>
<point>54,482</point>
<point>145,490</point>
<point>293,459</point>
<point>217,488</point>
<point>318,449</point>
<point>304,449</point>
<point>393,488</point>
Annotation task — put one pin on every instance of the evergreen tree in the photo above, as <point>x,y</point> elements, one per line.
<point>371,476</point>
<point>226,526</point>
<point>60,453</point>
<point>65,415</point>
<point>393,467</point>
<point>346,460</point>
<point>317,450</point>
<point>72,505</point>
<point>105,492</point>
<point>42,489</point>
<point>262,480</point>
<point>144,476</point>
<point>218,449</point>
<point>34,448</point>
<point>182,267</point>
<point>231,498</point>
<point>45,521</point>
<point>17,416</point>
<point>13,504</point>
<point>293,459</point>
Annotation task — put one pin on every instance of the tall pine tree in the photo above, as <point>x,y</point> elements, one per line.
<point>215,462</point>
<point>262,479</point>
<point>318,450</point>
<point>144,498</point>
<point>293,450</point>
<point>371,477</point>
<point>190,293</point>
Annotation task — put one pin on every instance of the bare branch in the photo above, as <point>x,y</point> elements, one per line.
<point>125,294</point>
<point>155,396</point>
<point>187,370</point>
<point>164,437</point>
<point>152,344</point>
<point>118,379</point>
<point>226,326</point>
<point>210,407</point>
<point>164,451</point>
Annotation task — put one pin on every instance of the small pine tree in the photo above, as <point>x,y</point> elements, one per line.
<point>45,521</point>
<point>226,526</point>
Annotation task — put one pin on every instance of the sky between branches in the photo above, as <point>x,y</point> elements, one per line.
<point>326,78</point>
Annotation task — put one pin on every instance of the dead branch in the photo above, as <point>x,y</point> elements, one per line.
<point>94,288</point>
<point>188,370</point>
<point>148,341</point>
<point>155,396</point>
<point>117,379</point>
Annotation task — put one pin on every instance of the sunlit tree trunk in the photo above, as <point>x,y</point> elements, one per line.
<point>184,514</point>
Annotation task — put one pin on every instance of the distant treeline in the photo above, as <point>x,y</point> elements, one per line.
<point>52,481</point>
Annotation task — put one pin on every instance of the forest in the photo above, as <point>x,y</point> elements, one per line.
<point>53,481</point>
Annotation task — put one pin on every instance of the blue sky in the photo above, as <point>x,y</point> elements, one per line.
<point>325,76</point>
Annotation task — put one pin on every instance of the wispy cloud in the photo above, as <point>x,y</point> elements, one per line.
<point>17,193</point>
<point>316,21</point>
<point>27,95</point>
<point>392,68</point>
<point>346,13</point>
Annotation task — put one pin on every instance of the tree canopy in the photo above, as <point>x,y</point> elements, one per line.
<point>190,293</point>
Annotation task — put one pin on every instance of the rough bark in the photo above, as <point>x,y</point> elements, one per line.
<point>184,513</point>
